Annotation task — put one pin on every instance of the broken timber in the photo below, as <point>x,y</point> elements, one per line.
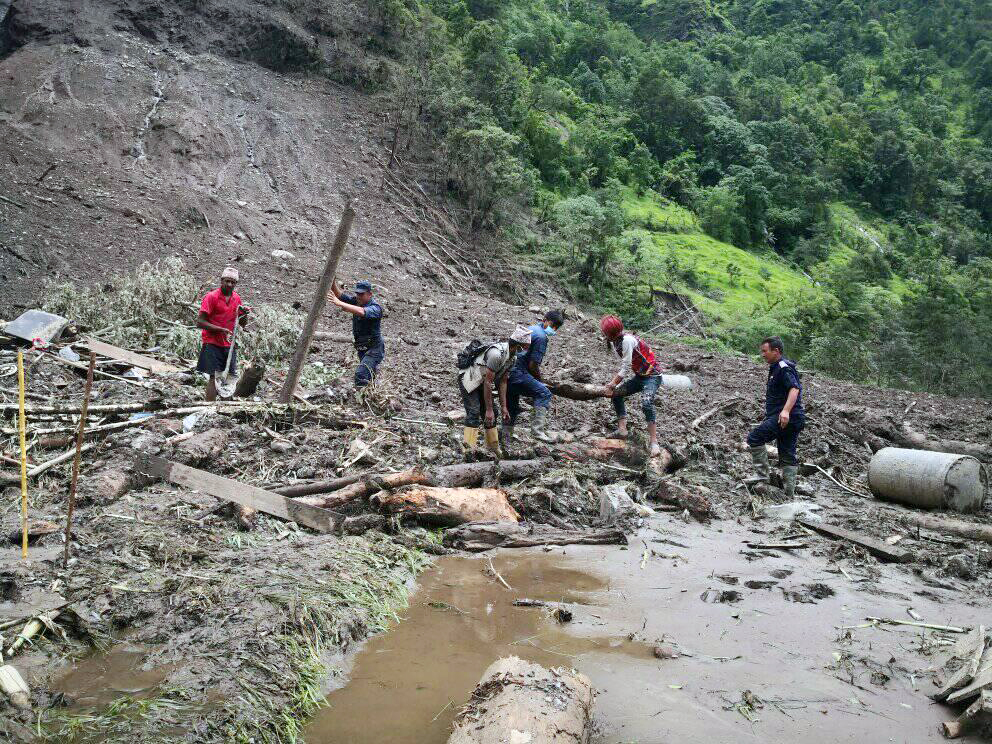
<point>154,366</point>
<point>876,547</point>
<point>519,701</point>
<point>253,497</point>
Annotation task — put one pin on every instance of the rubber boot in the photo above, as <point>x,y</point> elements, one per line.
<point>759,456</point>
<point>470,442</point>
<point>492,442</point>
<point>507,434</point>
<point>789,475</point>
<point>539,425</point>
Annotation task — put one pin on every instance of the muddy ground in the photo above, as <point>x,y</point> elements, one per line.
<point>237,626</point>
<point>134,131</point>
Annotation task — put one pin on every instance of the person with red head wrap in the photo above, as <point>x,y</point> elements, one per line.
<point>638,373</point>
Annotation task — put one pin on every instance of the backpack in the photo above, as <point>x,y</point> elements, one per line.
<point>467,356</point>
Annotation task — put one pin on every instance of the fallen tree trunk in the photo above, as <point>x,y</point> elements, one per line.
<point>518,701</point>
<point>479,536</point>
<point>957,527</point>
<point>904,436</point>
<point>448,476</point>
<point>324,486</point>
<point>366,487</point>
<point>447,507</point>
<point>578,390</point>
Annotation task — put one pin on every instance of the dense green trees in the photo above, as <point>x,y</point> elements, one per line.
<point>755,114</point>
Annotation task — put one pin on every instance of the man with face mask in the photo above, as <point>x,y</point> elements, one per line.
<point>219,311</point>
<point>526,380</point>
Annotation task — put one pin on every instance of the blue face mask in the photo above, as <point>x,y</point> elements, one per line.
<point>550,331</point>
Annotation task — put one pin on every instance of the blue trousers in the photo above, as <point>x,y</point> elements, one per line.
<point>785,439</point>
<point>524,384</point>
<point>647,386</point>
<point>368,362</point>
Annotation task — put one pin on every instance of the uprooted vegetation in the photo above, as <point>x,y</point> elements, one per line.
<point>155,307</point>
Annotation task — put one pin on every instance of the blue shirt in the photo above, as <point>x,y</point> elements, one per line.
<point>537,350</point>
<point>365,328</point>
<point>782,377</point>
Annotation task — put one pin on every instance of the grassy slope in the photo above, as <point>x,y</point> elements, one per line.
<point>668,227</point>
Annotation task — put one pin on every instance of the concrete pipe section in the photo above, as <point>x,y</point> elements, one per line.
<point>928,480</point>
<point>680,382</point>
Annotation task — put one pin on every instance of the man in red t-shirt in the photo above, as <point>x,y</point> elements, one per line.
<point>218,312</point>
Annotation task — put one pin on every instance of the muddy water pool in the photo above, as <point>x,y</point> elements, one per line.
<point>406,685</point>
<point>786,628</point>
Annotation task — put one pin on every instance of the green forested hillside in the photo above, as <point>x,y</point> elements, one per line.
<point>845,147</point>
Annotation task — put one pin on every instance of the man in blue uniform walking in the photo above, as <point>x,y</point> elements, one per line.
<point>526,381</point>
<point>784,416</point>
<point>365,327</point>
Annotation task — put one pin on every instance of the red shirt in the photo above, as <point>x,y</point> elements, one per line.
<point>221,311</point>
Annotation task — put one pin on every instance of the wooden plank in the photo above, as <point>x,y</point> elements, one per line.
<point>253,497</point>
<point>982,681</point>
<point>129,357</point>
<point>974,648</point>
<point>876,547</point>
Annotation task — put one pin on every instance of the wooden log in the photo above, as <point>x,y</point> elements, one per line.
<point>73,410</point>
<point>957,527</point>
<point>982,681</point>
<point>876,547</point>
<point>970,649</point>
<point>317,306</point>
<point>448,476</point>
<point>447,507</point>
<point>129,357</point>
<point>14,687</point>
<point>239,493</point>
<point>519,701</point>
<point>578,390</point>
<point>324,486</point>
<point>366,487</point>
<point>904,436</point>
<point>479,536</point>
<point>595,449</point>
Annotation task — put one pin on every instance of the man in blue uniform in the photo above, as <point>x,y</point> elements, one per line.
<point>784,417</point>
<point>526,380</point>
<point>365,327</point>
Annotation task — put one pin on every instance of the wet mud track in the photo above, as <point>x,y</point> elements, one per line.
<point>782,626</point>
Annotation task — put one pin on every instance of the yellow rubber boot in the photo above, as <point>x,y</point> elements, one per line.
<point>470,436</point>
<point>492,442</point>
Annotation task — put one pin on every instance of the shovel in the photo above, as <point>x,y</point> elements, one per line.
<point>225,384</point>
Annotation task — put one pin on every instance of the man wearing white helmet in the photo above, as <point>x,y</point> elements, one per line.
<point>219,311</point>
<point>484,367</point>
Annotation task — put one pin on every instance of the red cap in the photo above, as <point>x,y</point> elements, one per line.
<point>611,326</point>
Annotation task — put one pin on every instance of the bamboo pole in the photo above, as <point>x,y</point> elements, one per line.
<point>75,462</point>
<point>22,425</point>
<point>319,301</point>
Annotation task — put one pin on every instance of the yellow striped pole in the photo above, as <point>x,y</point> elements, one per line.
<point>22,425</point>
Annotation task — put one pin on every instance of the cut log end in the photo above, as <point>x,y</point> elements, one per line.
<point>518,701</point>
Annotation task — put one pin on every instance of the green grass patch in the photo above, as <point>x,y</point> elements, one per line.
<point>724,281</point>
